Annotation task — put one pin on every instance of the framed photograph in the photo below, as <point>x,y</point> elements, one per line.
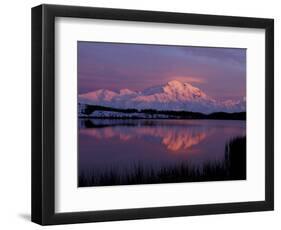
<point>142,114</point>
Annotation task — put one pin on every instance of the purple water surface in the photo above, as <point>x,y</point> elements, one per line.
<point>122,144</point>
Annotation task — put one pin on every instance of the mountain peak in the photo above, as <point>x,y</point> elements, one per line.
<point>175,83</point>
<point>180,85</point>
<point>182,90</point>
<point>174,95</point>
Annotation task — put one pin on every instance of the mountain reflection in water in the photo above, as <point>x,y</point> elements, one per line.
<point>174,138</point>
<point>120,145</point>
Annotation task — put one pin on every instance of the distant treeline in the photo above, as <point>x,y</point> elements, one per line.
<point>89,109</point>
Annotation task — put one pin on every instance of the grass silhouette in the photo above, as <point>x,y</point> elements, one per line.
<point>233,167</point>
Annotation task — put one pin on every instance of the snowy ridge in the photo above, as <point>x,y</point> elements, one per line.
<point>173,96</point>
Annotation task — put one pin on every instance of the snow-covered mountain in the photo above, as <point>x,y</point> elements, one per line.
<point>174,95</point>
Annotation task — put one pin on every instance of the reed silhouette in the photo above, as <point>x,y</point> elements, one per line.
<point>232,167</point>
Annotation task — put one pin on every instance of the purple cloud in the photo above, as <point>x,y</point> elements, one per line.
<point>220,72</point>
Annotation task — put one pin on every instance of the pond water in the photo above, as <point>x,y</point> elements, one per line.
<point>121,146</point>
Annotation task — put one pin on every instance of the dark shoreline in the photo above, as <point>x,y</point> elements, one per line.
<point>169,118</point>
<point>157,114</point>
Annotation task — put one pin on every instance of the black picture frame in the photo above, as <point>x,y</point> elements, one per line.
<point>43,110</point>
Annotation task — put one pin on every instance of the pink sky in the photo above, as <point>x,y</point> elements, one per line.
<point>220,72</point>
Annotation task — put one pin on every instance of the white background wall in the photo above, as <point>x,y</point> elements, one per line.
<point>15,114</point>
